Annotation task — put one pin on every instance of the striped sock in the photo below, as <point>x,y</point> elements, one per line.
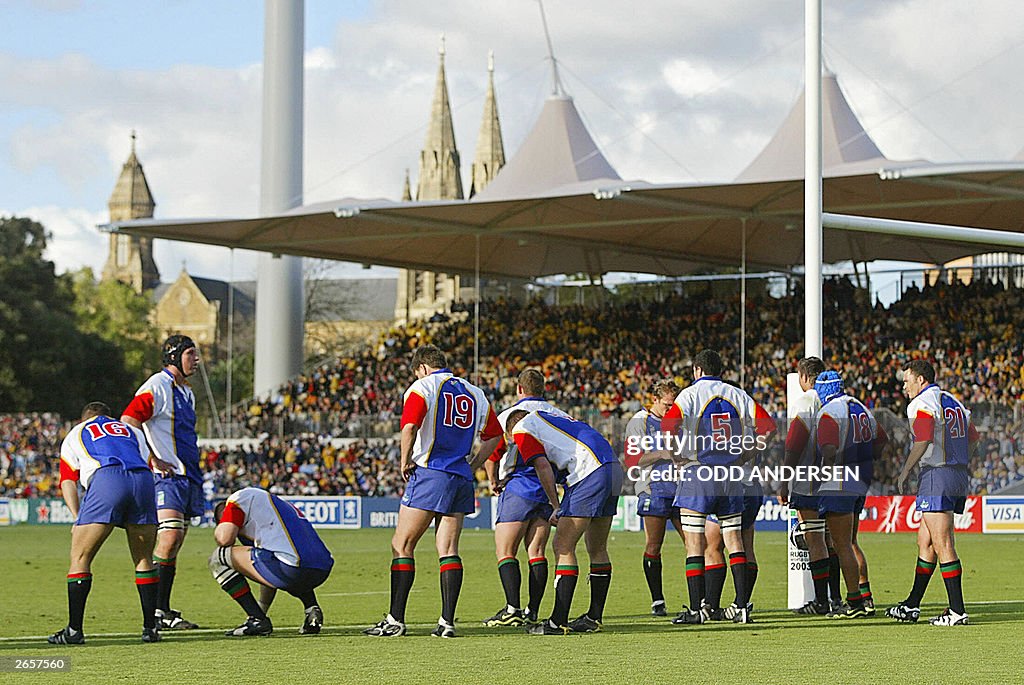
<point>695,581</point>
<point>148,585</point>
<point>403,572</point>
<point>740,577</point>
<point>865,590</point>
<point>565,586</point>
<point>952,574</point>
<point>538,580</point>
<point>167,568</point>
<point>79,585</point>
<point>714,582</point>
<point>819,576</point>
<point>451,585</point>
<point>511,580</point>
<point>600,581</point>
<point>237,586</point>
<point>922,574</point>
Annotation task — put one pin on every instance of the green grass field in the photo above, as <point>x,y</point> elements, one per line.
<point>634,648</point>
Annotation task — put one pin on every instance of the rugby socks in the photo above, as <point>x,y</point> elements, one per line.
<point>952,573</point>
<point>819,576</point>
<point>740,577</point>
<point>167,568</point>
<point>79,585</point>
<point>865,590</point>
<point>538,579</point>
<point>565,586</point>
<point>751,578</point>
<point>237,586</point>
<point>451,585</point>
<point>652,571</point>
<point>834,580</point>
<point>148,583</point>
<point>511,580</point>
<point>714,580</point>
<point>922,575</point>
<point>600,579</point>
<point>403,572</point>
<point>855,599</point>
<point>695,581</point>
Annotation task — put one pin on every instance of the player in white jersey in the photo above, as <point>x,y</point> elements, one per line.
<point>801,494</point>
<point>279,550</point>
<point>714,423</point>
<point>165,408</point>
<point>944,438</point>
<point>650,469</point>
<point>593,481</point>
<point>109,460</point>
<point>523,512</point>
<point>848,438</point>
<point>442,417</point>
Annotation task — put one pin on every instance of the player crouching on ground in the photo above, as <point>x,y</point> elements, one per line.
<point>590,500</point>
<point>279,550</point>
<point>109,458</point>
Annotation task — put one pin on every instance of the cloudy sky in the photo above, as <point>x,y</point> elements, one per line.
<point>672,90</point>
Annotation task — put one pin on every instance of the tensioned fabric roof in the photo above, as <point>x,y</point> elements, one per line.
<point>559,207</point>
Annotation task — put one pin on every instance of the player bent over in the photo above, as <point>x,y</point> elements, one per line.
<point>654,492</point>
<point>592,486</point>
<point>847,436</point>
<point>714,420</point>
<point>944,438</point>
<point>109,459</point>
<point>279,550</point>
<point>523,512</point>
<point>442,417</point>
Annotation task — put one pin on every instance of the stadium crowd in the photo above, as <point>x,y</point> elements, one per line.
<point>599,361</point>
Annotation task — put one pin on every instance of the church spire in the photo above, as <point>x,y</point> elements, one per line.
<point>130,258</point>
<point>406,189</point>
<point>440,173</point>
<point>490,148</point>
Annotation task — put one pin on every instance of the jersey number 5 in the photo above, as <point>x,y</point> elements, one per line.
<point>458,410</point>
<point>114,429</point>
<point>721,427</point>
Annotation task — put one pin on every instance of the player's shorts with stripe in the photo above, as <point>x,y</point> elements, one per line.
<point>943,488</point>
<point>722,498</point>
<point>513,508</point>
<point>178,493</point>
<point>120,497</point>
<point>293,579</point>
<point>440,492</point>
<point>596,495</point>
<point>656,505</point>
<point>753,498</point>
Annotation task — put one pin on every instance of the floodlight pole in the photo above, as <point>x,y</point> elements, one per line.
<point>812,179</point>
<point>279,301</point>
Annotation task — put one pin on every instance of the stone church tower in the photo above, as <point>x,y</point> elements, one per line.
<point>130,258</point>
<point>422,293</point>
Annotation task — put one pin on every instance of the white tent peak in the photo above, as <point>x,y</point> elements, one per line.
<point>558,151</point>
<point>846,148</point>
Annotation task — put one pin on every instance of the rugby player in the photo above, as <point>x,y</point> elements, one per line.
<point>593,482</point>
<point>944,438</point>
<point>441,418</point>
<point>279,550</point>
<point>654,496</point>
<point>110,460</point>
<point>523,511</point>
<point>164,407</point>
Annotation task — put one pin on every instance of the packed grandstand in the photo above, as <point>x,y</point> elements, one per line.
<point>331,430</point>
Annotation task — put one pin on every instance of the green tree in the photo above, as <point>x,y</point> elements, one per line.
<point>46,362</point>
<point>116,313</point>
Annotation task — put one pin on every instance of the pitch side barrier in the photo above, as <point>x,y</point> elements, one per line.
<point>882,514</point>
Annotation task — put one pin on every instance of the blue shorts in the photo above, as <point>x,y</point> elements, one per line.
<point>803,502</point>
<point>119,497</point>
<point>753,498</point>
<point>180,494</point>
<point>943,488</point>
<point>722,498</point>
<point>440,492</point>
<point>839,502</point>
<point>295,580</point>
<point>595,496</point>
<point>653,505</point>
<point>512,508</point>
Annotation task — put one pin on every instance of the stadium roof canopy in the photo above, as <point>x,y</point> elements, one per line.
<point>559,207</point>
